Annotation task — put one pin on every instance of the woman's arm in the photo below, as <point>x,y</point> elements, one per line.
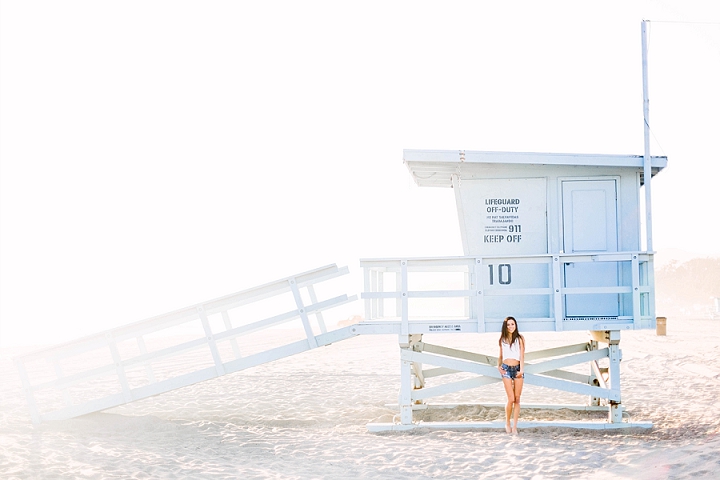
<point>500,361</point>
<point>522,356</point>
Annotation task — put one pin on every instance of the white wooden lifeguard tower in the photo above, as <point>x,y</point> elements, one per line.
<point>551,239</point>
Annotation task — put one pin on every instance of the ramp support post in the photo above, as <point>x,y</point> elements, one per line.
<point>612,338</point>
<point>595,378</point>
<point>411,378</point>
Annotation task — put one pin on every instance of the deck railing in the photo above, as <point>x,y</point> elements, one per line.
<point>477,281</point>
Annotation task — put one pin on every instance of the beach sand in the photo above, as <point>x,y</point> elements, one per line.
<point>305,417</point>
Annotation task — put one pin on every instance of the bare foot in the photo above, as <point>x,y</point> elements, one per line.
<point>514,431</point>
<point>507,428</point>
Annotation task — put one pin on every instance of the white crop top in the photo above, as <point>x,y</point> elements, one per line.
<point>511,351</point>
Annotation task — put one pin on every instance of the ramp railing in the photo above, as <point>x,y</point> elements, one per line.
<point>179,348</point>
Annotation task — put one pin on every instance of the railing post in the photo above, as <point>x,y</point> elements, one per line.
<point>303,314</point>
<point>406,412</point>
<point>379,287</point>
<point>219,368</point>
<point>148,365</point>
<point>404,326</point>
<point>593,379</point>
<point>127,395</point>
<point>614,355</point>
<point>27,388</point>
<point>651,285</point>
<point>636,291</point>
<point>398,290</point>
<point>233,341</point>
<point>479,297</point>
<point>59,375</point>
<point>318,314</point>
<point>557,292</point>
<point>368,286</point>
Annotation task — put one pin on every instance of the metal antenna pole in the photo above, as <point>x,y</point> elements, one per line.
<point>647,171</point>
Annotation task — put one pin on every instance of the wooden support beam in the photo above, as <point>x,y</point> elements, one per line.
<point>127,395</point>
<point>228,327</point>
<point>211,341</point>
<point>318,314</point>
<point>302,313</point>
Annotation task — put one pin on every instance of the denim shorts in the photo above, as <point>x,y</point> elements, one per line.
<point>511,372</point>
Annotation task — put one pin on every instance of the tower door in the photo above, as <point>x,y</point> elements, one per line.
<point>590,226</point>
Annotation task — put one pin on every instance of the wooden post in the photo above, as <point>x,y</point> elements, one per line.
<point>661,326</point>
<point>27,388</point>
<point>593,379</point>
<point>615,355</point>
<point>406,413</point>
<point>404,325</point>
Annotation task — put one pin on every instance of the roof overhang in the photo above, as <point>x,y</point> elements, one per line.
<point>434,168</point>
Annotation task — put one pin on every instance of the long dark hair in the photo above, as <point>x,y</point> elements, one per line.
<point>504,334</point>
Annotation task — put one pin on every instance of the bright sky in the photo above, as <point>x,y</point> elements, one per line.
<point>158,154</point>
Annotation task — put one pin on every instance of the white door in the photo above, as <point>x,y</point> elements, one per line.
<point>590,226</point>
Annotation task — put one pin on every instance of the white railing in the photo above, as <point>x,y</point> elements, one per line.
<point>118,366</point>
<point>474,282</point>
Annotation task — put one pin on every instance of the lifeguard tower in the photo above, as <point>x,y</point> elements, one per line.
<point>551,239</point>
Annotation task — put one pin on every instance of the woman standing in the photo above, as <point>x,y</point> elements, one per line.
<point>511,365</point>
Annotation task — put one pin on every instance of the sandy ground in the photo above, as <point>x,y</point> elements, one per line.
<point>304,417</point>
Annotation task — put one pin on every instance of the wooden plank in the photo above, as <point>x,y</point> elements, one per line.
<point>585,290</point>
<point>556,351</point>
<point>499,291</point>
<point>438,372</point>
<point>455,353</point>
<point>573,387</point>
<point>379,295</point>
<point>429,392</point>
<point>440,293</point>
<point>566,361</point>
<point>396,427</point>
<point>283,317</point>
<point>76,378</point>
<point>448,362</point>
<point>525,406</point>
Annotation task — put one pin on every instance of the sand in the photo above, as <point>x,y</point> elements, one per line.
<point>304,417</point>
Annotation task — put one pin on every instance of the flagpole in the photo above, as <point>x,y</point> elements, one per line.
<point>647,167</point>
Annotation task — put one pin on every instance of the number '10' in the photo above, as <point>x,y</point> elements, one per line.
<point>504,274</point>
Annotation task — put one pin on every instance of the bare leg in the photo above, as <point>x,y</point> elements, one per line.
<point>518,385</point>
<point>511,400</point>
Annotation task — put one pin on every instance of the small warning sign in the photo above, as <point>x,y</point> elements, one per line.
<point>444,328</point>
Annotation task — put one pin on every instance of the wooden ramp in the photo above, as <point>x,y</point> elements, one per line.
<point>141,360</point>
